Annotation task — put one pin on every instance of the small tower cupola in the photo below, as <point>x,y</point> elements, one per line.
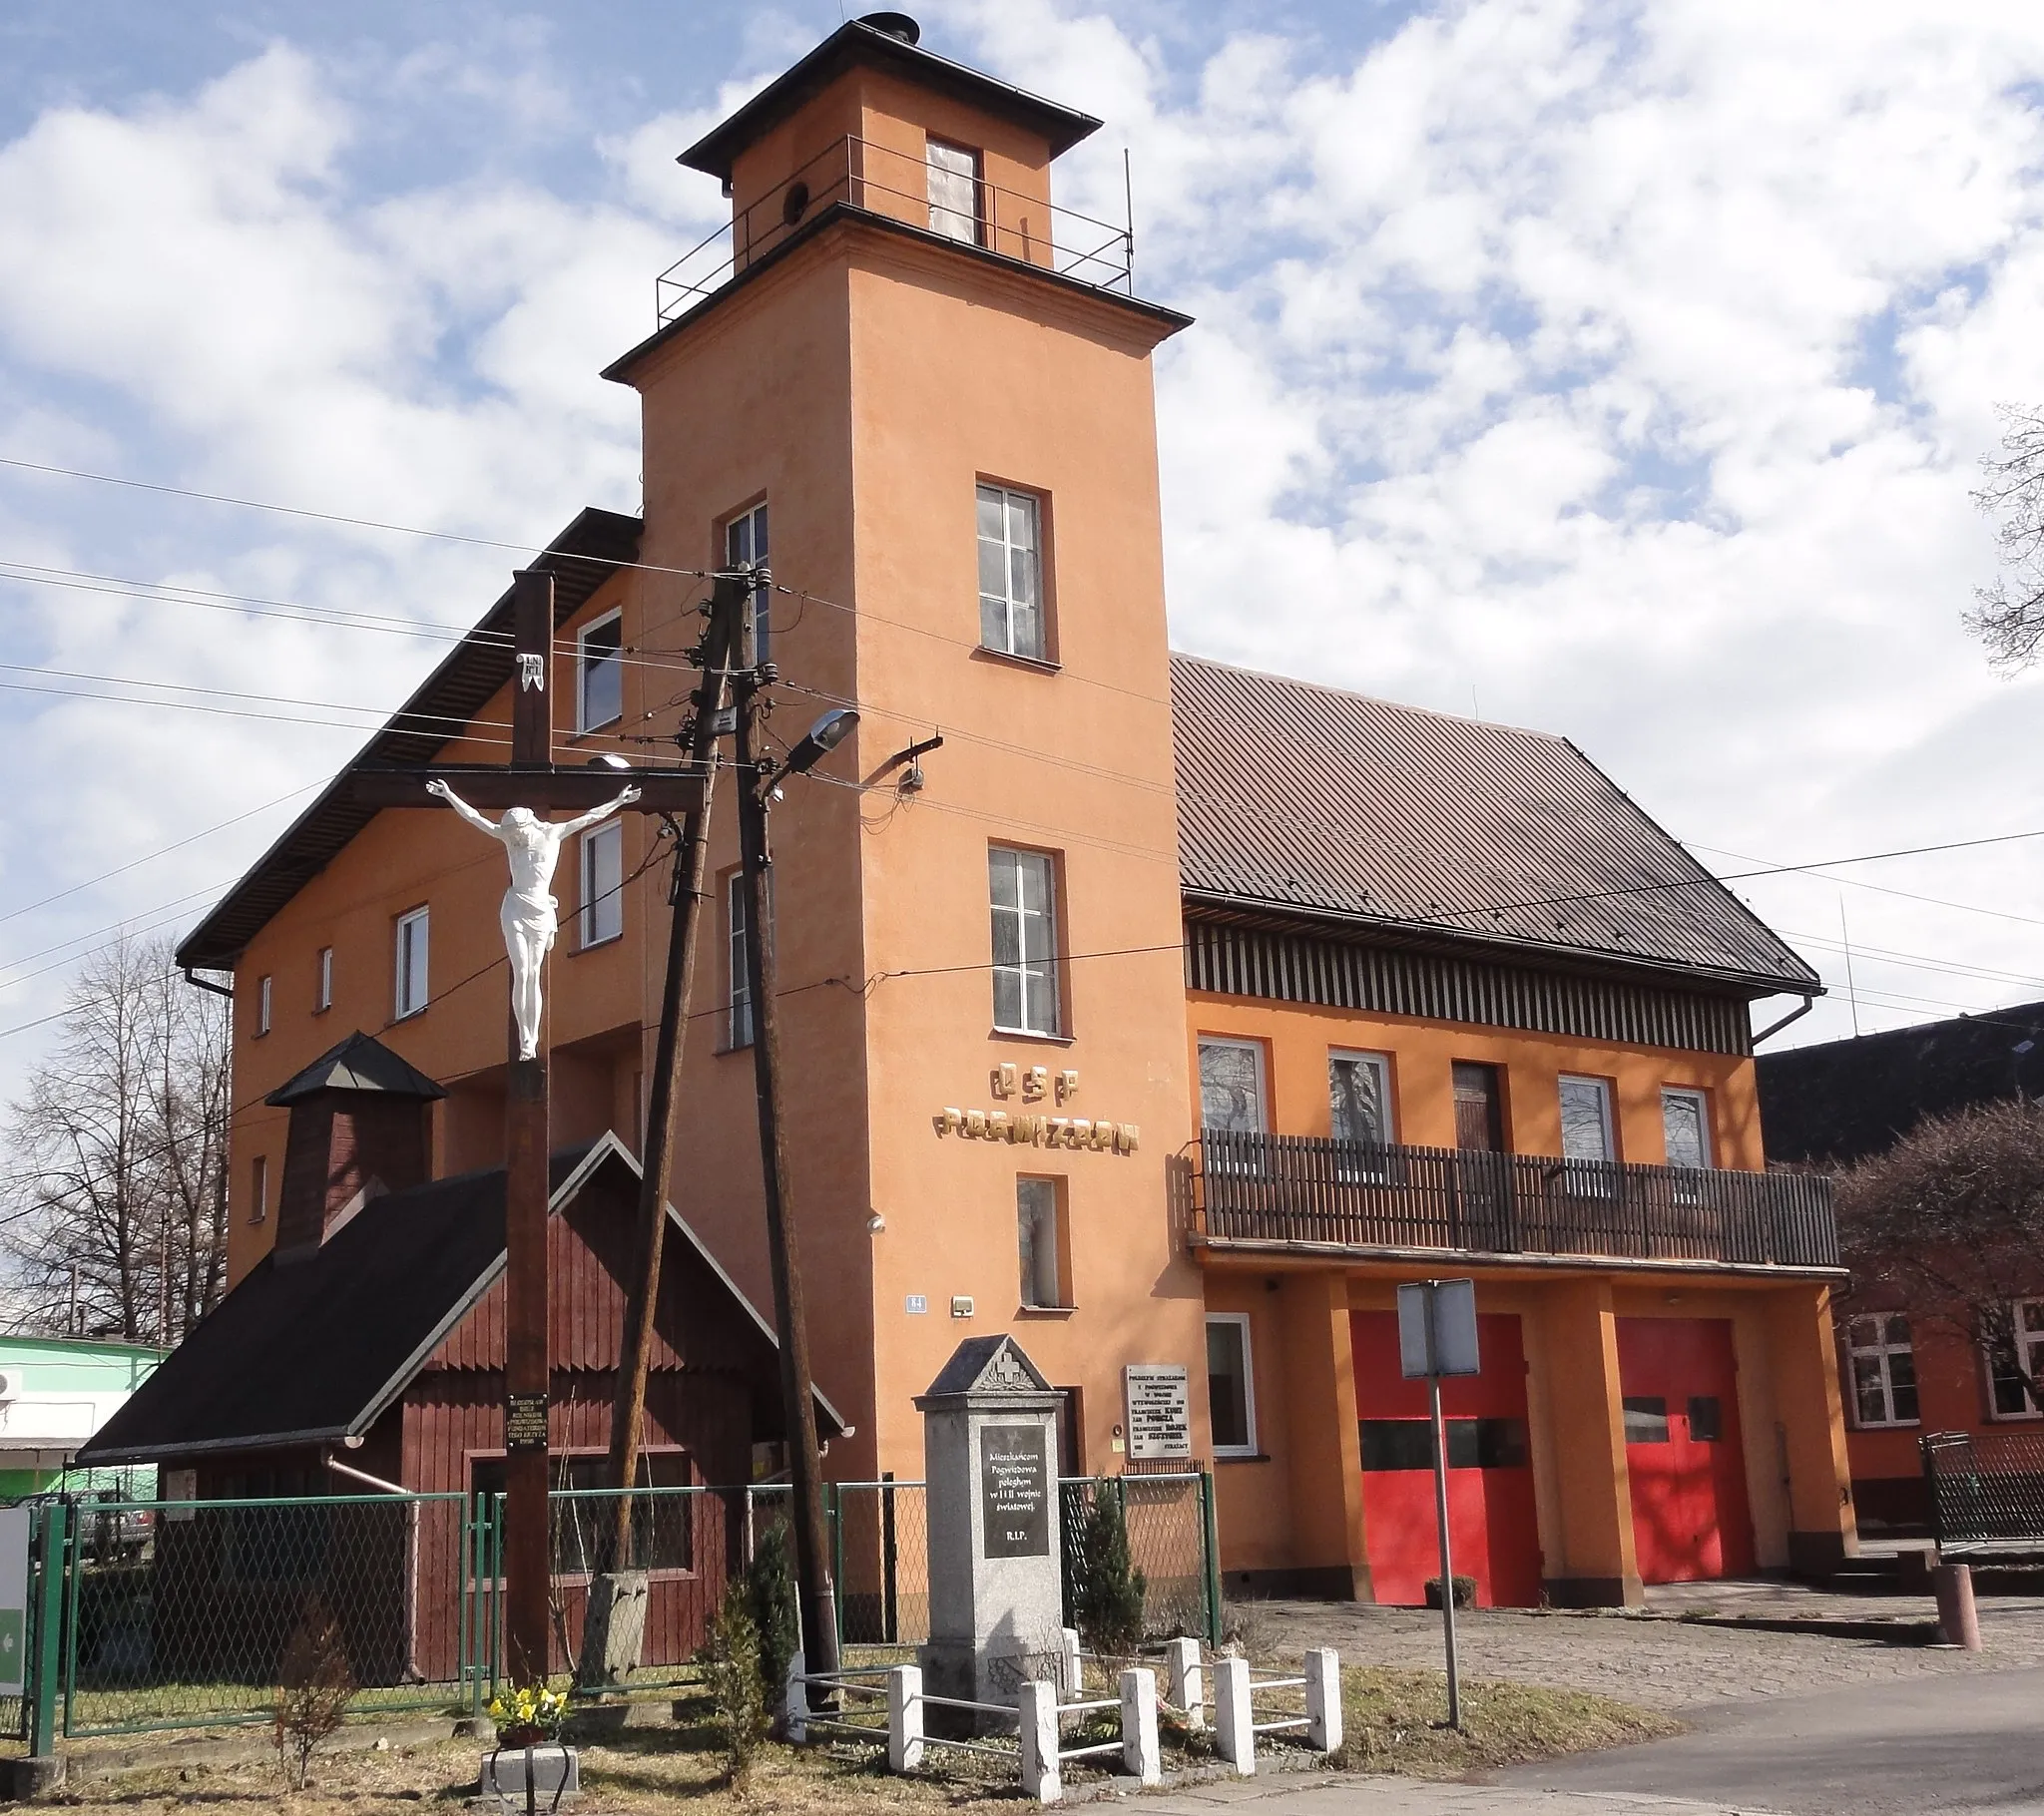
<point>361,1125</point>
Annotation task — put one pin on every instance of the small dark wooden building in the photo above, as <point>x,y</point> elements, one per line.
<point>365,1354</point>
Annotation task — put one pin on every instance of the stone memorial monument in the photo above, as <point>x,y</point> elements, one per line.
<point>989,1440</point>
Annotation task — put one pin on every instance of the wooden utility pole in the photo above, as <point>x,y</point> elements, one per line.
<point>692,863</point>
<point>811,1537</point>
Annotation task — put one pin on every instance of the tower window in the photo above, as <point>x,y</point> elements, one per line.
<point>1011,573</point>
<point>954,192</point>
<point>746,545</point>
<point>261,1006</point>
<point>259,1189</point>
<point>323,997</point>
<point>740,997</point>
<point>600,672</point>
<point>1036,1209</point>
<point>1025,941</point>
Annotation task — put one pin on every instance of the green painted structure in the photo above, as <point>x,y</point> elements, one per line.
<point>55,1392</point>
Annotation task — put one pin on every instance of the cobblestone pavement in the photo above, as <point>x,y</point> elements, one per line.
<point>1656,1659</point>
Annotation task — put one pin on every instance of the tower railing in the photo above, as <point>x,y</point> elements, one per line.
<point>863,175</point>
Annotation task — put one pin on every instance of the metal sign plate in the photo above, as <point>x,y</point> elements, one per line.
<point>1437,1329</point>
<point>1160,1410</point>
<point>524,1422</point>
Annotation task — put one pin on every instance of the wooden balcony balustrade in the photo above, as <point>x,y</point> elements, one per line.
<point>1283,1191</point>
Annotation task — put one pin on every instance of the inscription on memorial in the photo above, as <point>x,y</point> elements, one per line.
<point>1160,1410</point>
<point>524,1422</point>
<point>1014,1485</point>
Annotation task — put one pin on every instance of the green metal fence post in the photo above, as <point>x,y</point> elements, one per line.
<point>834,1501</point>
<point>49,1624</point>
<point>73,1569</point>
<point>1210,1537</point>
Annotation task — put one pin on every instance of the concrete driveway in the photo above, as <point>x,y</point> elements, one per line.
<point>1973,1742</point>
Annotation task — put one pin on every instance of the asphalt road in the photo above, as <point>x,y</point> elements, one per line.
<point>1948,1744</point>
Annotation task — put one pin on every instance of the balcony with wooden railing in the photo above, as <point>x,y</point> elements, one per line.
<point>1264,1193</point>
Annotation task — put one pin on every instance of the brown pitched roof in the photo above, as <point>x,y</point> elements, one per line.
<point>584,555</point>
<point>1302,800</point>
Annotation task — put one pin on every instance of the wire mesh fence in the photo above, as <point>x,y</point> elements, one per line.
<point>181,1613</point>
<point>1986,1489</point>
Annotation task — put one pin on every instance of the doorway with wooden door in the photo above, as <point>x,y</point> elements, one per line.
<point>1482,1201</point>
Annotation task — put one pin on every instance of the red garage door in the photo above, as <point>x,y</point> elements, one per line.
<point>1490,1475</point>
<point>1681,1449</point>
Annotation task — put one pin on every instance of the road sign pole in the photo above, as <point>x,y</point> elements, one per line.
<point>1440,1502</point>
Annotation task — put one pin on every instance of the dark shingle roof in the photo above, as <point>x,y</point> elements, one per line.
<point>584,555</point>
<point>358,1063</point>
<point>1295,799</point>
<point>312,1349</point>
<point>1836,1102</point>
<point>855,44</point>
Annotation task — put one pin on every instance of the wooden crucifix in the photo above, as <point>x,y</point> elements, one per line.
<point>531,785</point>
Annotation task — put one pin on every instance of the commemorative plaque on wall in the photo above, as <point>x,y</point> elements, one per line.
<point>524,1422</point>
<point>1014,1488</point>
<point>1159,1404</point>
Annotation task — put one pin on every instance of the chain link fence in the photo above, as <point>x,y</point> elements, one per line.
<point>1986,1489</point>
<point>166,1614</point>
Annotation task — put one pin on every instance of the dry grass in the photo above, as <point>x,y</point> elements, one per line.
<point>1393,1720</point>
<point>1396,1722</point>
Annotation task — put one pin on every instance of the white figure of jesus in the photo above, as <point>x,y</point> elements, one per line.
<point>530,916</point>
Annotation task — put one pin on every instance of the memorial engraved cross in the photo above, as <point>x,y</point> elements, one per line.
<point>530,786</point>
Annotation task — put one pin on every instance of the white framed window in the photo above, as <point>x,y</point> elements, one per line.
<point>1036,1218</point>
<point>747,545</point>
<point>322,997</point>
<point>1359,1098</point>
<point>1011,573</point>
<point>261,1006</point>
<point>1230,1384</point>
<point>603,883</point>
<point>413,936</point>
<point>2011,1390</point>
<point>1585,1134</point>
<point>1022,889</point>
<point>1686,1122</point>
<point>954,192</point>
<point>259,1188</point>
<point>1882,1363</point>
<point>1231,1085</point>
<point>600,672</point>
<point>739,995</point>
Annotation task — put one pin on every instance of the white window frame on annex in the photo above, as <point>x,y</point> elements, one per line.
<point>1689,1094</point>
<point>263,996</point>
<point>1037,990</point>
<point>1241,1321</point>
<point>324,994</point>
<point>1261,1065</point>
<point>587,666</point>
<point>402,948</point>
<point>602,899</point>
<point>738,994</point>
<point>2031,1341</point>
<point>1881,1348</point>
<point>998,611</point>
<point>1587,1176</point>
<point>259,1188</point>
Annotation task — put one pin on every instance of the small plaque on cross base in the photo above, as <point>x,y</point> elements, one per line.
<point>524,1422</point>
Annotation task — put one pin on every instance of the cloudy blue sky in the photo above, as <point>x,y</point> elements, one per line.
<point>1619,370</point>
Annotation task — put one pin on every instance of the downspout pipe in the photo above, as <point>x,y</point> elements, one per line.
<point>362,1476</point>
<point>199,983</point>
<point>1793,1015</point>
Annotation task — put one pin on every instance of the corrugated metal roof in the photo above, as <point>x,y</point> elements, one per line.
<point>584,555</point>
<point>1305,800</point>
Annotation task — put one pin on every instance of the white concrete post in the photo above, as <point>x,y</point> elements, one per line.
<point>1323,1699</point>
<point>1075,1673</point>
<point>905,1718</point>
<point>1186,1681</point>
<point>1140,1756</point>
<point>1234,1738</point>
<point>797,1722</point>
<point>1036,1707</point>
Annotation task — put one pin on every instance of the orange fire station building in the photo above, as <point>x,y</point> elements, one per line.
<point>1168,1014</point>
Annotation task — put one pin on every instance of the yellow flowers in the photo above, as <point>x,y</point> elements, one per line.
<point>533,1706</point>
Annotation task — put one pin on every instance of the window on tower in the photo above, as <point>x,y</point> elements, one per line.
<point>746,546</point>
<point>954,192</point>
<point>1023,887</point>
<point>1011,573</point>
<point>600,672</point>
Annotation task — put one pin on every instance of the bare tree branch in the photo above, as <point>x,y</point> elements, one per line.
<point>2008,617</point>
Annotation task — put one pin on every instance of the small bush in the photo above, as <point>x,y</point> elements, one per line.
<point>1107,1589</point>
<point>1466,1590</point>
<point>314,1686</point>
<point>769,1594</point>
<point>736,1686</point>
